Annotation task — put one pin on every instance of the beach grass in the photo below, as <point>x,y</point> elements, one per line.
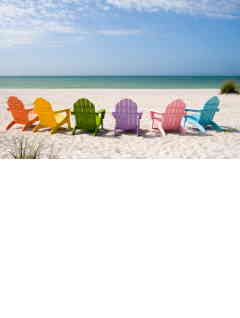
<point>230,87</point>
<point>23,148</point>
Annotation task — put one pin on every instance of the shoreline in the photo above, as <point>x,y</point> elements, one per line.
<point>118,89</point>
<point>110,91</point>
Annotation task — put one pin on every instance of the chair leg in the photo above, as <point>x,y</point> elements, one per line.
<point>162,131</point>
<point>138,131</point>
<point>55,129</point>
<point>29,124</point>
<point>200,127</point>
<point>69,122</point>
<point>36,128</point>
<point>74,131</point>
<point>10,125</point>
<point>102,118</point>
<point>95,132</point>
<point>138,127</point>
<point>195,123</point>
<point>26,126</point>
<point>184,122</point>
<point>216,126</point>
<point>154,127</point>
<point>183,131</point>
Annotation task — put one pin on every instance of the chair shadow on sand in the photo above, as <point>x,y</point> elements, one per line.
<point>101,133</point>
<point>29,128</point>
<point>156,134</point>
<point>230,129</point>
<point>144,133</point>
<point>190,133</point>
<point>226,129</point>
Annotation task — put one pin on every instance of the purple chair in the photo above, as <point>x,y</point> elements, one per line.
<point>127,116</point>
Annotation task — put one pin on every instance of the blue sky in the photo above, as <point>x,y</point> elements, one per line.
<point>120,37</point>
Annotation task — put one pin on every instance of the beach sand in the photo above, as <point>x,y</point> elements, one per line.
<point>149,145</point>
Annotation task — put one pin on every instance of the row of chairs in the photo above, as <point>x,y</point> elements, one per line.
<point>127,116</point>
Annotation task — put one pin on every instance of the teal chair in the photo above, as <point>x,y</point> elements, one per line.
<point>203,118</point>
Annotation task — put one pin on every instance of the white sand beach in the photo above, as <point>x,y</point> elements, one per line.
<point>127,145</point>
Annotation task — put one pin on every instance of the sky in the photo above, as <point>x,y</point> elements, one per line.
<point>119,37</point>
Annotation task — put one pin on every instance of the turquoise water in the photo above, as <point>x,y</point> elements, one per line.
<point>134,82</point>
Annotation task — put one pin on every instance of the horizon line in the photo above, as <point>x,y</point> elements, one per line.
<point>200,75</point>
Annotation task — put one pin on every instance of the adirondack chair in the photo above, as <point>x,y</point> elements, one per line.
<point>20,115</point>
<point>86,117</point>
<point>127,116</point>
<point>203,118</point>
<point>49,118</point>
<point>171,120</point>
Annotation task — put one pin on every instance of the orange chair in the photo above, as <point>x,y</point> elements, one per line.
<point>49,118</point>
<point>20,115</point>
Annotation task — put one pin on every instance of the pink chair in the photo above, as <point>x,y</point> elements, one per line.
<point>171,120</point>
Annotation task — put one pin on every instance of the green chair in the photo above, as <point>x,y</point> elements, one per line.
<point>86,117</point>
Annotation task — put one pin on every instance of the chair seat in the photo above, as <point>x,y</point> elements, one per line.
<point>98,120</point>
<point>90,125</point>
<point>32,115</point>
<point>196,117</point>
<point>60,117</point>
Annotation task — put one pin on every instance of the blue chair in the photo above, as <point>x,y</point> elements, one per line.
<point>203,118</point>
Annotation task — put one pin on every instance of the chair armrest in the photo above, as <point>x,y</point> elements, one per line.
<point>62,111</point>
<point>193,110</point>
<point>29,110</point>
<point>158,117</point>
<point>157,113</point>
<point>101,112</point>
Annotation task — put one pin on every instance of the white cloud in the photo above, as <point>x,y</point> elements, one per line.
<point>12,37</point>
<point>23,22</point>
<point>222,8</point>
<point>26,21</point>
<point>120,32</point>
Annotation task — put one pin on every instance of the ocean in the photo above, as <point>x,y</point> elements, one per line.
<point>115,82</point>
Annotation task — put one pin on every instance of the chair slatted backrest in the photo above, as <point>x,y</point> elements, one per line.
<point>126,114</point>
<point>16,107</point>
<point>45,113</point>
<point>209,110</point>
<point>85,114</point>
<point>173,115</point>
